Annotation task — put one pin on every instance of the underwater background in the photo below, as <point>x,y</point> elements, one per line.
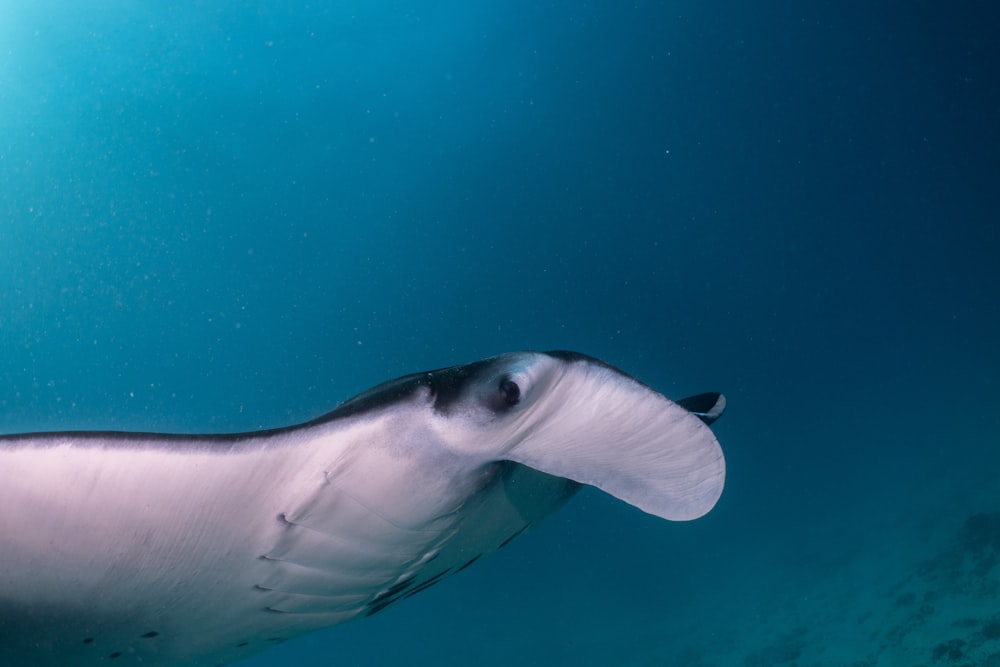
<point>222,216</point>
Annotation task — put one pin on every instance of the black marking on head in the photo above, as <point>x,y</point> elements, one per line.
<point>451,385</point>
<point>242,644</point>
<point>512,537</point>
<point>116,654</point>
<point>263,589</point>
<point>277,640</point>
<point>88,640</point>
<point>469,562</point>
<point>447,384</point>
<point>151,634</point>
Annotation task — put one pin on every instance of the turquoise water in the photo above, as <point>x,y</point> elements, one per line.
<point>234,215</point>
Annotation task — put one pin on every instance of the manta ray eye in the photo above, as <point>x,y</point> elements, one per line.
<point>510,392</point>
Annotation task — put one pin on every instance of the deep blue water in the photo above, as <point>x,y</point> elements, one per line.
<point>222,216</point>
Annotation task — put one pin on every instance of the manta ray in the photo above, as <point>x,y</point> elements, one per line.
<point>200,550</point>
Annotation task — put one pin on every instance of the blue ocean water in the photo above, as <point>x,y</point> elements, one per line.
<point>220,216</point>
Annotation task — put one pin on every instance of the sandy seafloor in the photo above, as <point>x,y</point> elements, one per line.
<point>231,215</point>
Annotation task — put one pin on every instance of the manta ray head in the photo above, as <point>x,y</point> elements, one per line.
<point>570,415</point>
